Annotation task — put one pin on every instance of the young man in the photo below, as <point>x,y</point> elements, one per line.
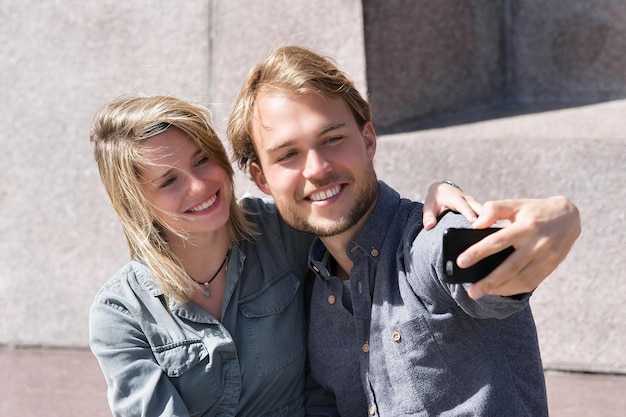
<point>387,335</point>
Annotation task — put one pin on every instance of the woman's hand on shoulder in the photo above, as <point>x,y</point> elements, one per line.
<point>445,195</point>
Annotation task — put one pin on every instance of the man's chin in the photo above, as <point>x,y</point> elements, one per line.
<point>324,228</point>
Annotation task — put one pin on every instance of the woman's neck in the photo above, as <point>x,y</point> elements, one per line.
<point>202,255</point>
<point>203,258</point>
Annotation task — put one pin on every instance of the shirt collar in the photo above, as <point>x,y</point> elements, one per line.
<point>145,277</point>
<point>190,310</point>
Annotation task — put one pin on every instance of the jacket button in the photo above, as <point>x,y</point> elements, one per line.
<point>331,299</point>
<point>366,347</point>
<point>374,253</point>
<point>372,410</point>
<point>396,336</point>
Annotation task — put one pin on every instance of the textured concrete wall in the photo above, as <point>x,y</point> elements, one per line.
<point>570,53</point>
<point>427,58</point>
<point>60,61</point>
<point>495,57</point>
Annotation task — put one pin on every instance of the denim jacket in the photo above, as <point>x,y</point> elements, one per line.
<point>165,359</point>
<point>406,342</point>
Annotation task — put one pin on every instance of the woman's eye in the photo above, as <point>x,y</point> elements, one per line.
<point>168,182</point>
<point>202,161</point>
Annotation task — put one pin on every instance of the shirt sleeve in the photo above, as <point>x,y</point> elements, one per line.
<point>137,386</point>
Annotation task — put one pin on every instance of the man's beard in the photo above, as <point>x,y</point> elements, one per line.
<point>364,201</point>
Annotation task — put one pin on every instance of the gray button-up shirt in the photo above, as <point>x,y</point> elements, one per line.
<point>407,343</point>
<point>173,360</point>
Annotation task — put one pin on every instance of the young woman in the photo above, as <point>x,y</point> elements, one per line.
<point>207,319</point>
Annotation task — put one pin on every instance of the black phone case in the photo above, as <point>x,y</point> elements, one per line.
<point>456,241</point>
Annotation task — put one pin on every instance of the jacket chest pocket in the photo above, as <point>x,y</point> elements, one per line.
<point>187,365</point>
<point>274,320</point>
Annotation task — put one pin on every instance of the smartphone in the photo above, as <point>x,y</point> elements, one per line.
<point>455,241</point>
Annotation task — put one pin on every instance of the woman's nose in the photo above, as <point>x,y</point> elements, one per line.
<point>195,185</point>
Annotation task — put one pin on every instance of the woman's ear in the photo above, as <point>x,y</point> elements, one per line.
<point>256,173</point>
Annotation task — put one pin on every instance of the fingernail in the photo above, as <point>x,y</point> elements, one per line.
<point>462,261</point>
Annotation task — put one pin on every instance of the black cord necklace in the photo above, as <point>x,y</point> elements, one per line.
<point>207,293</point>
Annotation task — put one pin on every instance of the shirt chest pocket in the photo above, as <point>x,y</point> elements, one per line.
<point>415,364</point>
<point>186,364</point>
<point>274,320</point>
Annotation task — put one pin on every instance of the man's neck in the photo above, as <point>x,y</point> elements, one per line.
<point>337,246</point>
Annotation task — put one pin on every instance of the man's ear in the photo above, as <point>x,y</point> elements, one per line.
<point>369,136</point>
<point>257,175</point>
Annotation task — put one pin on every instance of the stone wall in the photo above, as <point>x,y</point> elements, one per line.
<point>507,89</point>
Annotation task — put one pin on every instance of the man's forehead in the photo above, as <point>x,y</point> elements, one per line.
<point>281,119</point>
<point>264,123</point>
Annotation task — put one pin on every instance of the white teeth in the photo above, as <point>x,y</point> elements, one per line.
<point>325,194</point>
<point>204,205</point>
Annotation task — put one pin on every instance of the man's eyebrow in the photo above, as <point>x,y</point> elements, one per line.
<point>320,132</point>
<point>330,128</point>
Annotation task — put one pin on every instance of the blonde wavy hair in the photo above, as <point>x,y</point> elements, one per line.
<point>118,133</point>
<point>295,70</point>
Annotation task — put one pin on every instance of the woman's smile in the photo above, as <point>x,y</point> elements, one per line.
<point>203,206</point>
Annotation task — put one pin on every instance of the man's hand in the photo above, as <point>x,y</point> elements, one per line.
<point>542,231</point>
<point>443,197</point>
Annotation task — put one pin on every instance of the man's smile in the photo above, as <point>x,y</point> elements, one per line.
<point>325,195</point>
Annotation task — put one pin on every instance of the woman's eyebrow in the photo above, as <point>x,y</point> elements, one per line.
<point>169,171</point>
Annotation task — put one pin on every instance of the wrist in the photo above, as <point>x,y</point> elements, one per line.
<point>453,184</point>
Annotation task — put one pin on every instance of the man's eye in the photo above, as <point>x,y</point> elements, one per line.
<point>334,139</point>
<point>286,157</point>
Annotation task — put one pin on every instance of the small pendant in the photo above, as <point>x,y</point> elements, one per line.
<point>207,293</point>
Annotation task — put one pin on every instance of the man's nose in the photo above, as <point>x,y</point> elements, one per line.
<point>316,165</point>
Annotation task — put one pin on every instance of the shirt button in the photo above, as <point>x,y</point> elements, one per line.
<point>396,336</point>
<point>331,299</point>
<point>372,410</point>
<point>374,253</point>
<point>360,287</point>
<point>366,347</point>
